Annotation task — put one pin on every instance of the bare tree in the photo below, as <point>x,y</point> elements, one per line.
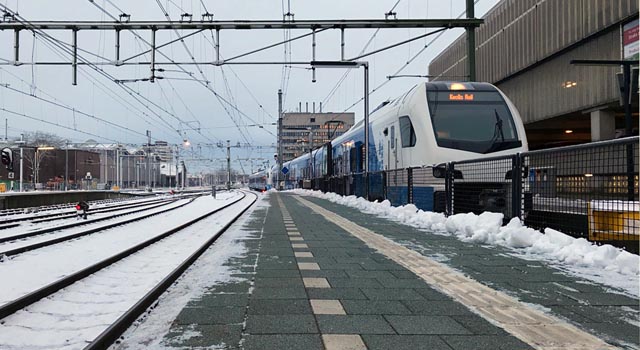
<point>44,139</point>
<point>36,141</point>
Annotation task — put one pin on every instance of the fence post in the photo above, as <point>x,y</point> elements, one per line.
<point>384,184</point>
<point>516,186</point>
<point>409,185</point>
<point>448,187</point>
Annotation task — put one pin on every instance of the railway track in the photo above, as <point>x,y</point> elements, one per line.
<point>62,237</point>
<point>9,222</point>
<point>193,236</point>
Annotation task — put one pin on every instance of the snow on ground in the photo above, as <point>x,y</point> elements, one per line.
<point>604,264</point>
<point>77,314</point>
<point>94,216</point>
<point>209,270</point>
<point>25,272</point>
<point>116,216</point>
<point>27,212</point>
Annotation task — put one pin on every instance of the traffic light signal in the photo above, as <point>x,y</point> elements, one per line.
<point>7,158</point>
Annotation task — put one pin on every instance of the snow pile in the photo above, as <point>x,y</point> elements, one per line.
<point>605,264</point>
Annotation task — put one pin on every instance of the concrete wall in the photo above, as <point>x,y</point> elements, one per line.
<point>525,47</point>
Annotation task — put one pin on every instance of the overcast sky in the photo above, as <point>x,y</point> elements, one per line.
<point>169,105</point>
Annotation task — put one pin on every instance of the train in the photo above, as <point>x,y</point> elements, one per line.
<point>260,180</point>
<point>431,124</point>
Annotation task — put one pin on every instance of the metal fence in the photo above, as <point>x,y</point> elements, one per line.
<point>588,191</point>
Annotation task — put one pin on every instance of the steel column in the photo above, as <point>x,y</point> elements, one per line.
<point>74,64</point>
<point>16,47</point>
<point>471,42</point>
<point>117,46</point>
<point>366,127</point>
<point>153,55</point>
<point>279,140</point>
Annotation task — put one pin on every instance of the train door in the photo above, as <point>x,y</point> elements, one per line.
<point>346,161</point>
<point>392,146</point>
<point>390,153</point>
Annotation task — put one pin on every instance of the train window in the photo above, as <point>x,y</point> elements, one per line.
<point>352,160</point>
<point>407,133</point>
<point>393,137</point>
<point>478,121</point>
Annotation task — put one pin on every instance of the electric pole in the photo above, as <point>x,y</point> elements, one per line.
<point>279,139</point>
<point>148,155</point>
<point>229,164</point>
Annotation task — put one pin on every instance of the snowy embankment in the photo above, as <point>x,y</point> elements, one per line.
<point>604,264</point>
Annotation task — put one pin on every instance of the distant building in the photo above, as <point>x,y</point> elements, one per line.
<point>525,46</point>
<point>303,130</point>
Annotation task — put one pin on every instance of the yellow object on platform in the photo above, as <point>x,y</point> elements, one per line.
<point>116,188</point>
<point>614,221</point>
<point>3,187</point>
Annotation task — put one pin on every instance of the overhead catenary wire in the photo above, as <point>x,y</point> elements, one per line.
<point>56,46</point>
<point>57,104</point>
<point>208,87</point>
<point>405,65</point>
<point>55,124</point>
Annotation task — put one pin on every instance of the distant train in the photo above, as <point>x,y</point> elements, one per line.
<point>431,124</point>
<point>261,180</point>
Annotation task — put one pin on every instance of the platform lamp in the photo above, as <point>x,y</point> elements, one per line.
<point>356,64</point>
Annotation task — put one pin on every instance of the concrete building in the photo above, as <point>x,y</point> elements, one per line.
<point>525,46</point>
<point>302,131</point>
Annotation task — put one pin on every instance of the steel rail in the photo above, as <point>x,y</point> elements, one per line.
<point>73,224</point>
<point>106,210</point>
<point>111,334</point>
<point>37,217</point>
<point>32,297</point>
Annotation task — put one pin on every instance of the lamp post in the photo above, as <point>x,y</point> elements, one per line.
<point>356,64</point>
<point>66,167</point>
<point>21,143</point>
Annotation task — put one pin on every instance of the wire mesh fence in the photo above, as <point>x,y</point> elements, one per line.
<point>588,191</point>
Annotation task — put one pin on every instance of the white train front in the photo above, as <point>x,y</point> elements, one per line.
<point>431,124</point>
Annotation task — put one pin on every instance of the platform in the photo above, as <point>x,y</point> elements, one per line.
<point>318,275</point>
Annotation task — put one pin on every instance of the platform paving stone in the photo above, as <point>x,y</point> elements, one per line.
<point>532,282</point>
<point>279,293</point>
<point>435,307</point>
<point>288,282</point>
<point>395,342</point>
<point>225,315</point>
<point>283,341</point>
<point>335,293</point>
<point>369,307</point>
<point>337,282</point>
<point>216,336</point>
<point>484,342</point>
<point>279,306</point>
<point>426,325</point>
<point>281,324</point>
<point>353,324</point>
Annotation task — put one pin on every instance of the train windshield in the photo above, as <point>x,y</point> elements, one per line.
<point>475,121</point>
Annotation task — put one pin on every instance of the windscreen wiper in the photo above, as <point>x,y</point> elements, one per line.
<point>499,124</point>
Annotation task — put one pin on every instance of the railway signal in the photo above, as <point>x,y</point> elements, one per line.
<point>7,158</point>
